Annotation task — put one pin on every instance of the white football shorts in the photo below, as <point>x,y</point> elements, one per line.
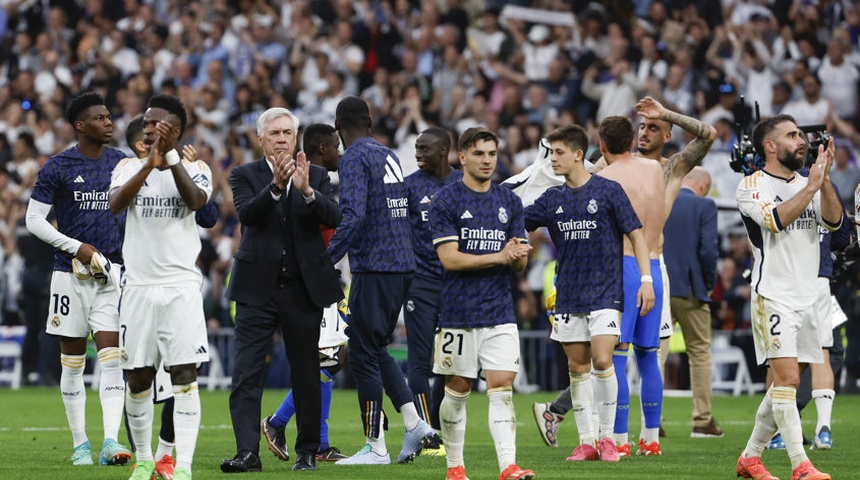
<point>159,323</point>
<point>465,351</point>
<point>77,307</point>
<point>574,327</point>
<point>780,332</point>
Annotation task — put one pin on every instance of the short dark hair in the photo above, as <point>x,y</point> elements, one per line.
<point>79,104</point>
<point>314,135</point>
<point>352,111</point>
<point>173,106</point>
<point>441,134</point>
<point>764,128</point>
<point>471,136</point>
<point>617,134</point>
<point>571,135</point>
<point>134,132</point>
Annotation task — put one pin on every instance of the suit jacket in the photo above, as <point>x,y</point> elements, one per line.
<point>257,263</point>
<point>690,246</point>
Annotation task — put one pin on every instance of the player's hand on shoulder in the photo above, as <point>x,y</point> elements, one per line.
<point>189,153</point>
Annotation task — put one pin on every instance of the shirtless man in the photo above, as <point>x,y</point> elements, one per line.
<point>654,132</point>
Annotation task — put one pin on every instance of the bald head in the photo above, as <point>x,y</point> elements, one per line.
<point>699,179</point>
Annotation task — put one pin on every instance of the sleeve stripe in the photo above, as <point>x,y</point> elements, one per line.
<point>441,240</point>
<point>772,219</point>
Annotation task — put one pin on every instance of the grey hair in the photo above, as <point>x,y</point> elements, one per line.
<point>273,114</point>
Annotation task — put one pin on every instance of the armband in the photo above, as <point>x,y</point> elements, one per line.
<point>646,278</point>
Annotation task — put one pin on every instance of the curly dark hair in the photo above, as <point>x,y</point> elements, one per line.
<point>173,106</point>
<point>79,104</point>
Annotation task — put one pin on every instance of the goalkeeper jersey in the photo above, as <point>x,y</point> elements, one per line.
<point>161,240</point>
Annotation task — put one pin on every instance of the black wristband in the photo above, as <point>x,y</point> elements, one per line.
<point>275,189</point>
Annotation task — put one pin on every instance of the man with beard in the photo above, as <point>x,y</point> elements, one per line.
<point>782,210</point>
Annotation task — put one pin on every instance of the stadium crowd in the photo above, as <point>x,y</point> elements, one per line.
<point>520,68</point>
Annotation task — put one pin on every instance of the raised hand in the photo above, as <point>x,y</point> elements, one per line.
<point>284,167</point>
<point>168,136</point>
<point>819,172</point>
<point>301,176</point>
<point>650,108</point>
<point>156,157</point>
<point>189,153</point>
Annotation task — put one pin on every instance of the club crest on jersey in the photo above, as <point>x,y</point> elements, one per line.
<point>410,306</point>
<point>776,344</point>
<point>503,215</point>
<point>592,206</point>
<point>447,362</point>
<point>55,321</point>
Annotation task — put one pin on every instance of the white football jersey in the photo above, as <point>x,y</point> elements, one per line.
<point>785,257</point>
<point>161,240</point>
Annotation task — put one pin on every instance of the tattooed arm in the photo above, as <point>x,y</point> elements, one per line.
<point>680,164</point>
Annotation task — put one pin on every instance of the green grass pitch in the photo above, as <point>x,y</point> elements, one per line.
<point>36,443</point>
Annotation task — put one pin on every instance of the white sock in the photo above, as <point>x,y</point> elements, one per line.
<point>605,399</point>
<point>620,438</point>
<point>763,429</point>
<point>410,415</point>
<point>139,409</point>
<point>824,405</point>
<point>74,395</point>
<point>186,422</point>
<point>452,419</point>
<point>503,425</point>
<point>582,400</point>
<point>787,420</point>
<point>111,391</point>
<point>650,435</point>
<point>164,448</point>
<point>378,444</point>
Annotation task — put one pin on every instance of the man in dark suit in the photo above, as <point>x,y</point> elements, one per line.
<point>282,277</point>
<point>691,254</point>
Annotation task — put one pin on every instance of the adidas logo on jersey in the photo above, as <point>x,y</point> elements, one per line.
<point>393,173</point>
<point>79,179</point>
<point>612,325</point>
<point>201,349</point>
<point>665,326</point>
<point>425,199</point>
<point>559,211</point>
<point>465,215</point>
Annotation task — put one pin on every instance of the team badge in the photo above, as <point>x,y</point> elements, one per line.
<point>592,206</point>
<point>503,215</point>
<point>410,306</point>
<point>123,355</point>
<point>447,362</point>
<point>776,344</point>
<point>55,322</point>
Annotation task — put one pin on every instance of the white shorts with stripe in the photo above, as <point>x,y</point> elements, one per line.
<point>780,332</point>
<point>159,323</point>
<point>576,327</point>
<point>77,307</point>
<point>465,351</point>
<point>666,327</point>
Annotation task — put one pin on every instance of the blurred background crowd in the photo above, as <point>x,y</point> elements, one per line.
<point>519,67</point>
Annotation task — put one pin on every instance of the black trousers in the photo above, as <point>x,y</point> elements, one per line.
<point>291,309</point>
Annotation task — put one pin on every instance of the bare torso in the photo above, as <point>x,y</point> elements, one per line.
<point>643,181</point>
